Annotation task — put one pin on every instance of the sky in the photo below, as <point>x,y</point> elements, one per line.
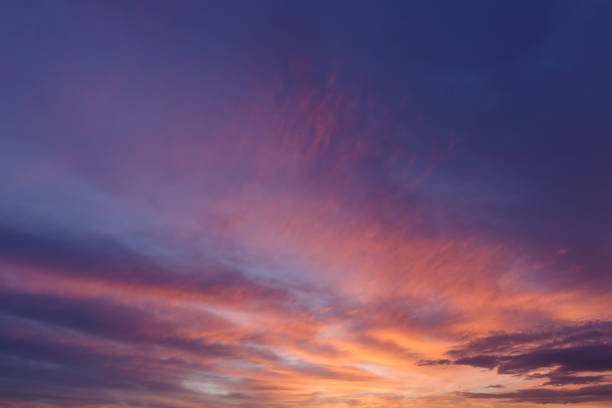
<point>249,204</point>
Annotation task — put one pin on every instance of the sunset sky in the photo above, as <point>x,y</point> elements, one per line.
<point>257,204</point>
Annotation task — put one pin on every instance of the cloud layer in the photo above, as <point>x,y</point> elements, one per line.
<point>322,205</point>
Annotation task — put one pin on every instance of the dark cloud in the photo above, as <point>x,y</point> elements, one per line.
<point>567,351</point>
<point>59,344</point>
<point>106,258</point>
<point>569,360</point>
<point>557,377</point>
<point>40,362</point>
<point>479,361</point>
<point>433,362</point>
<point>49,362</point>
<point>50,245</point>
<point>133,326</point>
<point>551,396</point>
<point>583,334</point>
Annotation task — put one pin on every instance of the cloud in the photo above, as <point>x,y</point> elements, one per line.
<point>130,324</point>
<point>559,377</point>
<point>87,255</point>
<point>275,205</point>
<point>567,352</point>
<point>547,396</point>
<point>596,332</point>
<point>568,359</point>
<point>433,362</point>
